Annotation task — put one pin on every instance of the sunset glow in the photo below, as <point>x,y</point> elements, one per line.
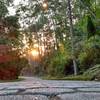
<point>45,5</point>
<point>35,53</point>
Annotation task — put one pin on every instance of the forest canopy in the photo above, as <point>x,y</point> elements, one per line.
<point>64,34</point>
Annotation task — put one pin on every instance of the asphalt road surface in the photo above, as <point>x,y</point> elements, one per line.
<point>33,88</point>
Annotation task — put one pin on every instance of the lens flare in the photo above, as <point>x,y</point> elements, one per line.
<point>34,53</point>
<point>45,5</point>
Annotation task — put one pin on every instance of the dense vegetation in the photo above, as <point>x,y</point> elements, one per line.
<point>68,31</point>
<point>11,60</point>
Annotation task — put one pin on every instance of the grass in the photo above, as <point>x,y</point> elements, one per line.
<point>16,80</point>
<point>74,78</point>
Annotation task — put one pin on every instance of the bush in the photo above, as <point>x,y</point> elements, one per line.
<point>11,70</point>
<point>59,63</point>
<point>93,72</point>
<point>11,65</point>
<point>91,53</point>
<point>56,64</point>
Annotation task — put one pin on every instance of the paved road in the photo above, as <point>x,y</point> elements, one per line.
<point>38,89</point>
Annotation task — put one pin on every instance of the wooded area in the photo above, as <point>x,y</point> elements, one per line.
<point>62,36</point>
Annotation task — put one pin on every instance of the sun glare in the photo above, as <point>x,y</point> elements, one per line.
<point>34,53</point>
<point>45,5</point>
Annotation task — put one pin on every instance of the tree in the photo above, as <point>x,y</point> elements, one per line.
<point>72,38</point>
<point>68,28</point>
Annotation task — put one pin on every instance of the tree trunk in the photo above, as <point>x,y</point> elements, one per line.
<point>72,38</point>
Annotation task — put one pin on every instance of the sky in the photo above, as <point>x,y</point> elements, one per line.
<point>11,9</point>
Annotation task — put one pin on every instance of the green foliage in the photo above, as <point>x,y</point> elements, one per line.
<point>20,64</point>
<point>57,64</point>
<point>81,25</point>
<point>90,27</point>
<point>73,78</point>
<point>78,77</point>
<point>12,21</point>
<point>3,41</point>
<point>98,12</point>
<point>93,72</point>
<point>4,7</point>
<point>91,53</point>
<point>55,22</point>
<point>3,10</point>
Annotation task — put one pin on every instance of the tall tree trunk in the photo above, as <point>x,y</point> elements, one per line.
<point>72,38</point>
